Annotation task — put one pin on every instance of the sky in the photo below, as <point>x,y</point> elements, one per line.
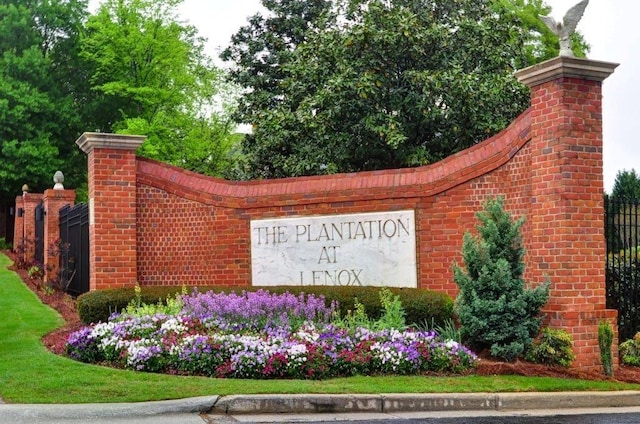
<point>609,26</point>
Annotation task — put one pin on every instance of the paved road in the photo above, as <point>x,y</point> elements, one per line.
<point>578,416</point>
<point>22,414</point>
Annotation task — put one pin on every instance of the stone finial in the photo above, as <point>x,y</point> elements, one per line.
<point>25,189</point>
<point>567,27</point>
<point>58,179</point>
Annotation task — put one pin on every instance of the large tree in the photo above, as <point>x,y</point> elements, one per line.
<point>149,75</point>
<point>38,115</point>
<point>351,85</point>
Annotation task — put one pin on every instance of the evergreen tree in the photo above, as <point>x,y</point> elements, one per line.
<point>626,185</point>
<point>495,308</point>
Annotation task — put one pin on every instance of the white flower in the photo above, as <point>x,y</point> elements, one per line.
<point>173,325</point>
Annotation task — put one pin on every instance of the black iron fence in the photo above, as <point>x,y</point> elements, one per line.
<point>622,232</point>
<point>74,248</point>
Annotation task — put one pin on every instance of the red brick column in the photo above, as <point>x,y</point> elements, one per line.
<point>53,201</point>
<point>25,243</point>
<point>18,224</point>
<point>112,208</point>
<point>568,244</point>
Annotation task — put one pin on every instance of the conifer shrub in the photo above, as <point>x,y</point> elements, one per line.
<point>495,308</point>
<point>605,340</point>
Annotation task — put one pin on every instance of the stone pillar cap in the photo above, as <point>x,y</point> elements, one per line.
<point>565,67</point>
<point>89,141</point>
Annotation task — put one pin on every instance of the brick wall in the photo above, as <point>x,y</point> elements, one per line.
<point>179,212</point>
<point>160,225</point>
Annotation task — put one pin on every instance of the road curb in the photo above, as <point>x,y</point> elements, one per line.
<point>195,405</point>
<point>567,400</point>
<point>394,403</point>
<point>284,404</point>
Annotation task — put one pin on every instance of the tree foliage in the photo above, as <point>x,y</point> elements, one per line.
<point>494,307</point>
<point>38,119</point>
<point>540,42</point>
<point>351,85</point>
<point>149,76</point>
<point>131,67</point>
<point>626,186</point>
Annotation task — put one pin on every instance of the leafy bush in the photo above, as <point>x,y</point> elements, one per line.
<point>494,307</point>
<point>447,331</point>
<point>4,244</point>
<point>629,351</point>
<point>392,317</point>
<point>35,272</point>
<point>419,304</point>
<point>98,306</point>
<point>553,347</point>
<point>170,306</point>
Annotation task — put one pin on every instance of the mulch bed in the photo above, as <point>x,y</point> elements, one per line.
<point>66,307</point>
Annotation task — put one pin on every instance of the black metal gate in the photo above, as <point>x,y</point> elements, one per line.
<point>74,248</point>
<point>622,232</point>
<point>38,256</point>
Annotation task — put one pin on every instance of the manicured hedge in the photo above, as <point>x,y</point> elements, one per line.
<point>421,305</point>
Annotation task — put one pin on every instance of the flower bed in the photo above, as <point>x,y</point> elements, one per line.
<point>261,335</point>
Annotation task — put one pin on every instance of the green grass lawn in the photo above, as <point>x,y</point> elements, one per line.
<point>29,373</point>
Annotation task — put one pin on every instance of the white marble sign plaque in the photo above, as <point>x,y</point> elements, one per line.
<point>368,249</point>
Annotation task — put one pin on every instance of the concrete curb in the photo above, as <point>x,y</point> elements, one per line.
<point>562,400</point>
<point>391,403</point>
<point>194,405</point>
<point>394,403</point>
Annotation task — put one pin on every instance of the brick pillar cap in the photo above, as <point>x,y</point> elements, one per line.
<point>89,141</point>
<point>32,197</point>
<point>59,194</point>
<point>565,67</point>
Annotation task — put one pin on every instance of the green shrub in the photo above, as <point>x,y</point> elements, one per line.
<point>391,318</point>
<point>419,305</point>
<point>446,331</point>
<point>35,272</point>
<point>629,351</point>
<point>553,347</point>
<point>494,307</point>
<point>4,244</point>
<point>98,305</point>
<point>171,305</point>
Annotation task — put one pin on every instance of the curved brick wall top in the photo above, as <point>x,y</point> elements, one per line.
<point>431,179</point>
